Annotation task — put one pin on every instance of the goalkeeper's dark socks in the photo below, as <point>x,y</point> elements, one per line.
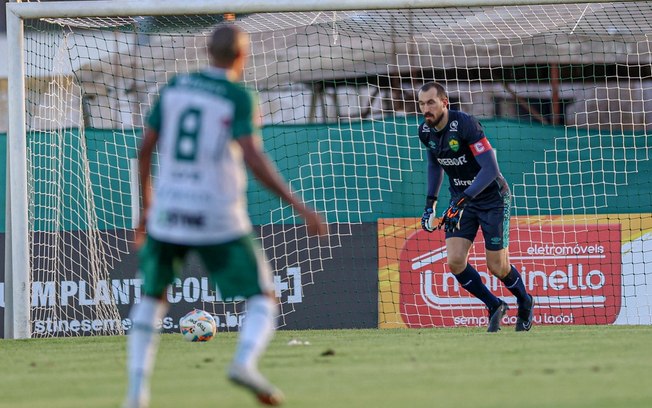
<point>514,283</point>
<point>470,280</point>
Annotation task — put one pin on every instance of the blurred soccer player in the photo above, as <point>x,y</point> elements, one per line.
<point>480,198</point>
<point>205,128</point>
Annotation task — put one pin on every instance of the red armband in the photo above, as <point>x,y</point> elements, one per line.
<point>480,146</point>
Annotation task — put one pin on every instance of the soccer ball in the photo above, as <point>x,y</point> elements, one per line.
<point>197,325</point>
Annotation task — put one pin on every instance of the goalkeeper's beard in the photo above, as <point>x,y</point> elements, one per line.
<point>433,122</point>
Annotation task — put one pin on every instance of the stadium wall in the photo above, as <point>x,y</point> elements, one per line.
<point>518,146</point>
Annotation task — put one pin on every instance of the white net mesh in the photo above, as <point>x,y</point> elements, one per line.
<point>563,93</point>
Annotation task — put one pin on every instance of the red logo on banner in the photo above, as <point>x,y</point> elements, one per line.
<point>573,271</point>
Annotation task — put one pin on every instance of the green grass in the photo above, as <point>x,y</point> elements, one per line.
<point>552,366</point>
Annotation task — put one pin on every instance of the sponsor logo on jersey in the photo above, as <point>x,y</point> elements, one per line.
<point>452,161</point>
<point>574,273</point>
<point>459,182</point>
<point>454,144</point>
<point>184,218</point>
<point>432,145</point>
<point>453,126</point>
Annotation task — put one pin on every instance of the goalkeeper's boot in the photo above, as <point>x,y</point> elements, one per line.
<point>525,315</point>
<point>254,381</point>
<point>495,316</point>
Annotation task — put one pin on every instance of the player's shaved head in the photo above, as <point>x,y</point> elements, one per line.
<point>227,43</point>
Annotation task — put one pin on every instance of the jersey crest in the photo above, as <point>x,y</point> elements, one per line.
<point>454,144</point>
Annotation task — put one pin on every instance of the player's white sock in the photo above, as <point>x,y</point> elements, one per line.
<point>256,331</point>
<point>142,345</point>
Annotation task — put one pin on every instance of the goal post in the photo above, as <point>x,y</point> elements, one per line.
<point>17,270</point>
<point>563,92</point>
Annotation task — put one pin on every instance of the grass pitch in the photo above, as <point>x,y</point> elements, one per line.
<point>551,366</point>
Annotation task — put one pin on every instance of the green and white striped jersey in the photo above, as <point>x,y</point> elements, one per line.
<point>200,189</point>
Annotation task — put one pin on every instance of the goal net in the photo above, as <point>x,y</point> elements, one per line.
<point>563,93</point>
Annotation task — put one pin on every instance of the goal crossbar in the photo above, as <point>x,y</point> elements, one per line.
<point>109,8</point>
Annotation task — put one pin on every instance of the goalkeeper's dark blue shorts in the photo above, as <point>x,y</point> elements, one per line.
<point>492,216</point>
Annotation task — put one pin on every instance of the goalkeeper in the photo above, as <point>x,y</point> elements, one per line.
<point>480,198</point>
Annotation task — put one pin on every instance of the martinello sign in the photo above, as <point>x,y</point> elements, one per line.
<point>573,269</point>
<point>576,282</point>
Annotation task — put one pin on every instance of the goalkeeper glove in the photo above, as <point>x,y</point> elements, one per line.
<point>428,218</point>
<point>451,218</point>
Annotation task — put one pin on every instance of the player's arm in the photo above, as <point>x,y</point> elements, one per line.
<point>489,169</point>
<point>145,154</point>
<point>450,221</point>
<point>265,171</point>
<point>245,131</point>
<point>435,178</point>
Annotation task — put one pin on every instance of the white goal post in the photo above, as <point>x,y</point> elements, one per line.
<point>532,193</point>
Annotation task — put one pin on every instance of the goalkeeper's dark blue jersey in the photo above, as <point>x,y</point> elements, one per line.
<point>454,149</point>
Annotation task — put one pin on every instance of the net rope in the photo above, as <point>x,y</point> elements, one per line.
<point>353,75</point>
